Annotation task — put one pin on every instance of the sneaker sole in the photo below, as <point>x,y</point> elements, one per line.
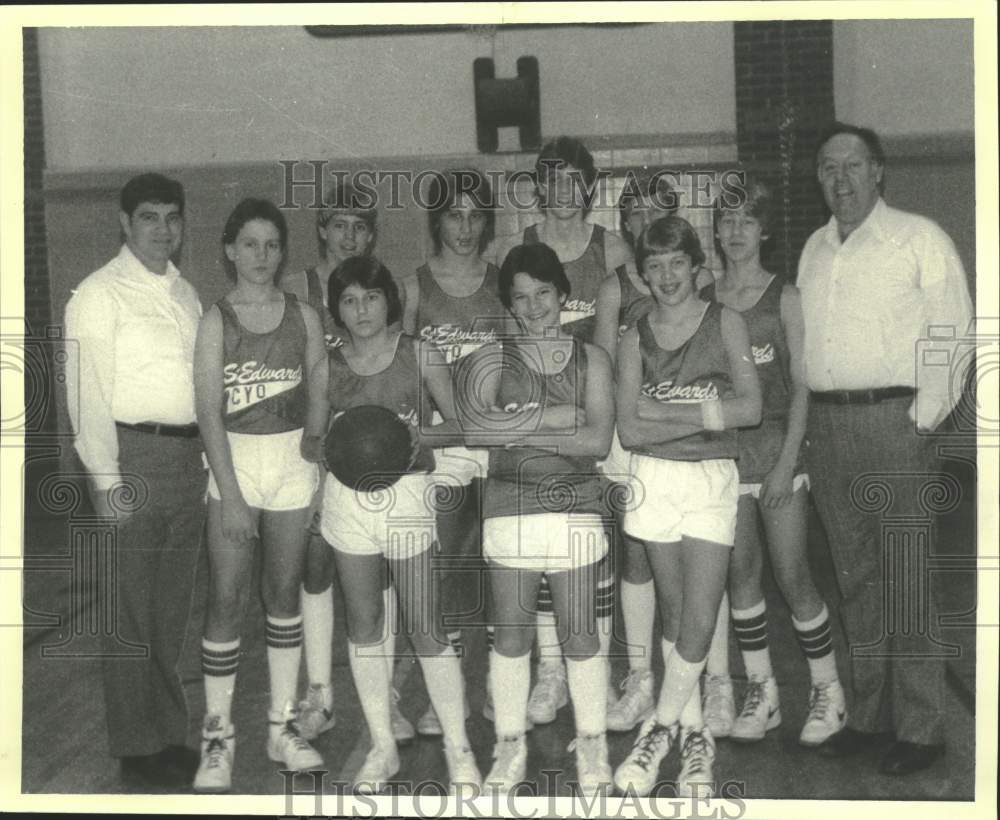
<point>772,724</point>
<point>639,721</point>
<point>274,757</point>
<point>212,789</point>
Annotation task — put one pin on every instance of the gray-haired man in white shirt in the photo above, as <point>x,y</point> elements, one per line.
<point>874,282</point>
<point>132,394</point>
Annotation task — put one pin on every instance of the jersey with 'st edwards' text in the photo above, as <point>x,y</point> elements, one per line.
<point>262,373</point>
<point>695,372</point>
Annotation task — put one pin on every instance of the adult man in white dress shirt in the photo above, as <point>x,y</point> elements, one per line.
<point>874,280</point>
<point>135,320</point>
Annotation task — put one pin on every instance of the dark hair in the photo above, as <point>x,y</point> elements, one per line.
<point>443,193</point>
<point>563,151</point>
<point>154,188</point>
<point>247,211</point>
<point>758,202</point>
<point>651,186</point>
<point>537,260</point>
<point>666,235</point>
<point>368,273</point>
<point>346,199</point>
<point>866,135</point>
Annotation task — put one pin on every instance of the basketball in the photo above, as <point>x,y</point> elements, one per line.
<point>368,448</point>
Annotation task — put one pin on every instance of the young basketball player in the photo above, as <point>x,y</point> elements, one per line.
<point>259,387</point>
<point>773,488</point>
<point>453,302</point>
<point>565,175</point>
<point>345,227</point>
<point>685,379</point>
<point>379,365</point>
<point>546,397</point>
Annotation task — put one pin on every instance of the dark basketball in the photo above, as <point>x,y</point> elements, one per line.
<point>368,448</point>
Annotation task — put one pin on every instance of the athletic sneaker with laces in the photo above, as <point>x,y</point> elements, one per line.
<point>462,770</point>
<point>381,764</point>
<point>635,705</point>
<point>718,707</point>
<point>639,771</point>
<point>316,711</point>
<point>550,693</point>
<point>697,754</point>
<point>593,772</point>
<point>510,759</point>
<point>285,744</point>
<point>218,746</point>
<point>760,712</point>
<point>402,729</point>
<point>827,713</point>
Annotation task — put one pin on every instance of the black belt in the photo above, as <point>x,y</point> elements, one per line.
<point>175,430</point>
<point>861,396</point>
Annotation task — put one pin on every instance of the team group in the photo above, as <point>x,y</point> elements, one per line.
<point>570,392</point>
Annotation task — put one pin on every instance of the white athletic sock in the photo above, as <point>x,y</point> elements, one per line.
<point>588,680</point>
<point>317,634</point>
<point>284,652</point>
<point>680,678</point>
<point>750,626</point>
<point>816,642</point>
<point>443,676</point>
<point>389,606</point>
<point>549,649</point>
<point>219,662</point>
<point>666,650</point>
<point>718,651</point>
<point>511,678</point>
<point>639,609</point>
<point>691,713</point>
<point>368,668</point>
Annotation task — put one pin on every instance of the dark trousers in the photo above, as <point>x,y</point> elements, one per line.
<point>157,552</point>
<point>867,466</point>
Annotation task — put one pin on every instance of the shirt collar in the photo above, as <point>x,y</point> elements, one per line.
<point>139,272</point>
<point>875,222</point>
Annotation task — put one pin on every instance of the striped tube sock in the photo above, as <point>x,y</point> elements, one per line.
<point>455,639</point>
<point>219,662</point>
<point>816,643</point>
<point>605,604</point>
<point>284,651</point>
<point>491,638</point>
<point>750,626</point>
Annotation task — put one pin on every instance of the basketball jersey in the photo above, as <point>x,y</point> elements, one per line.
<point>459,325</point>
<point>397,387</point>
<point>264,389</point>
<point>529,481</point>
<point>696,371</point>
<point>585,274</point>
<point>760,446</point>
<point>633,304</point>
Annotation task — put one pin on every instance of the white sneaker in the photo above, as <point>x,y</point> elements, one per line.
<point>429,724</point>
<point>218,746</point>
<point>760,712</point>
<point>717,705</point>
<point>379,767</point>
<point>550,693</point>
<point>827,713</point>
<point>402,729</point>
<point>463,771</point>
<point>593,772</point>
<point>316,711</point>
<point>639,771</point>
<point>635,705</point>
<point>285,744</point>
<point>510,759</point>
<point>697,753</point>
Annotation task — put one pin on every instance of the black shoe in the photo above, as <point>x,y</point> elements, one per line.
<point>904,757</point>
<point>152,771</point>
<point>850,741</point>
<point>182,759</point>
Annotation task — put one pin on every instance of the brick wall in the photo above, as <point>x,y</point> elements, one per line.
<point>784,98</point>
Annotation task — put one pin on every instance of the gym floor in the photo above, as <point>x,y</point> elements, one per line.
<point>64,747</point>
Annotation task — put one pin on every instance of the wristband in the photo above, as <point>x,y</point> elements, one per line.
<point>711,415</point>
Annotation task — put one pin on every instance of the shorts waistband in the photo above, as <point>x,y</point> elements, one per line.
<point>172,430</point>
<point>873,396</point>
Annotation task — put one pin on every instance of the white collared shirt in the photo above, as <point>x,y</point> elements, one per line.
<point>130,340</point>
<point>870,303</point>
